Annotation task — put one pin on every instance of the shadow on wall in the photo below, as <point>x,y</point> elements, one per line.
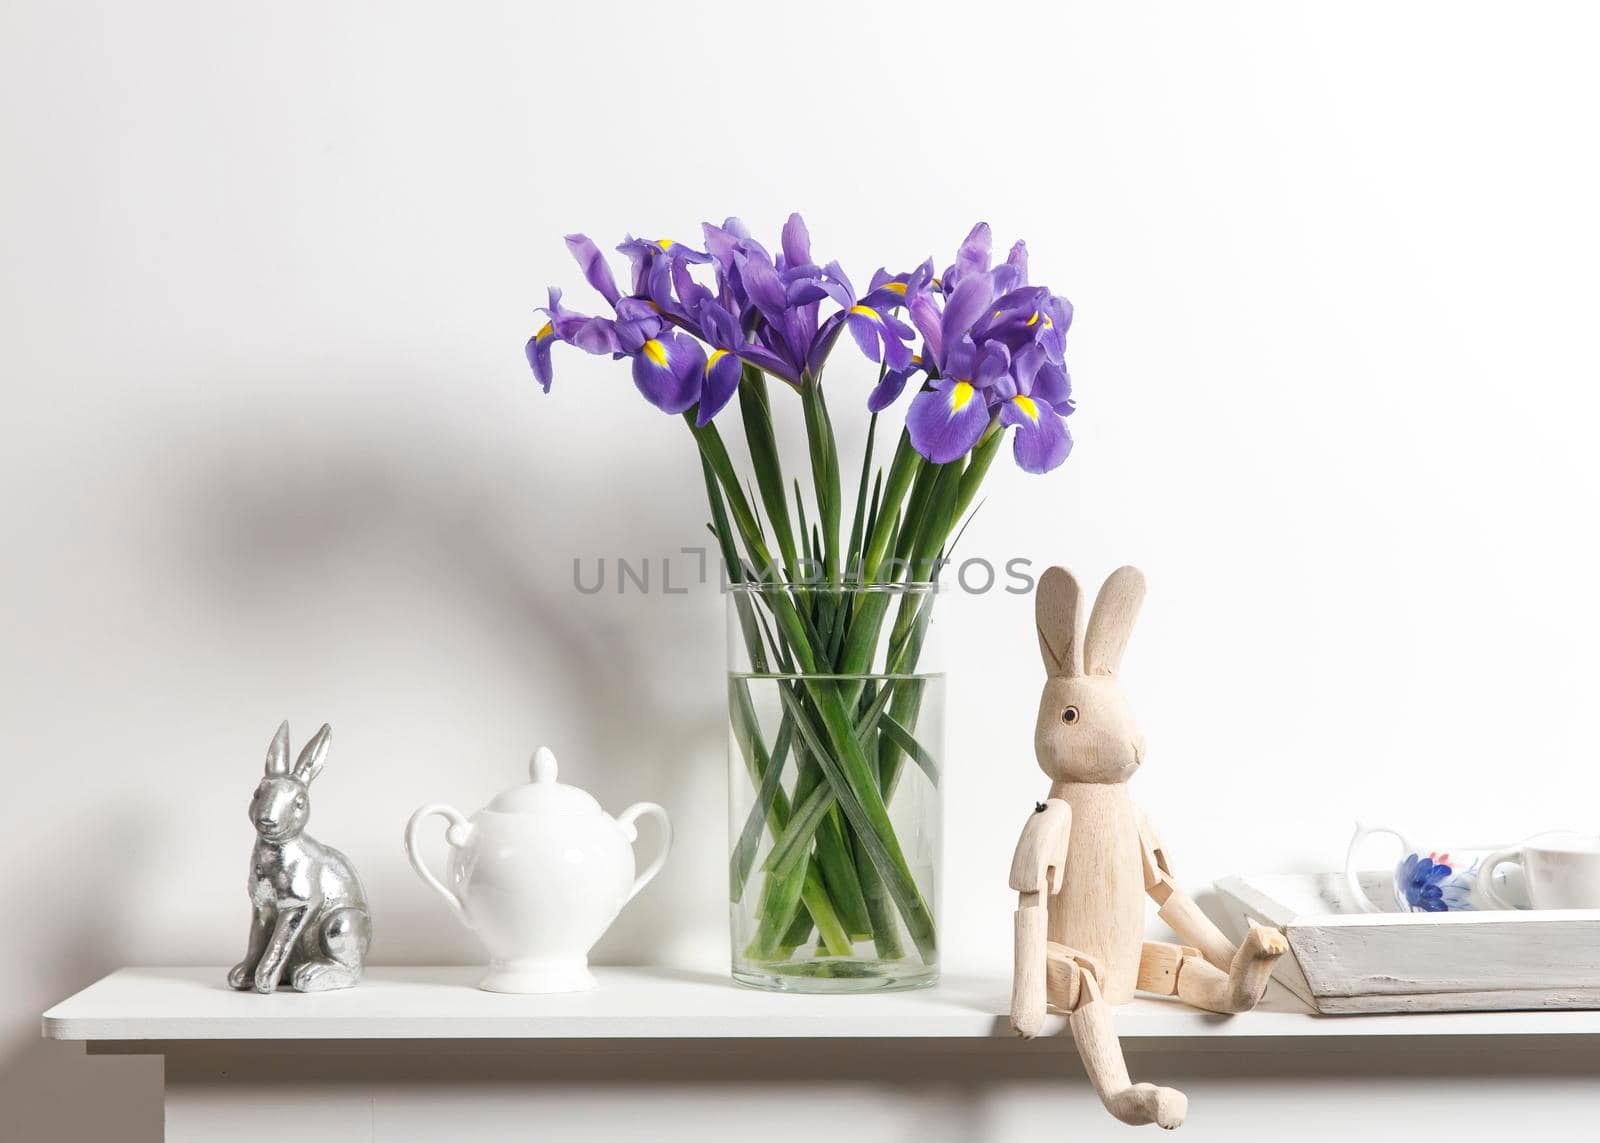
<point>454,531</point>
<point>267,525</point>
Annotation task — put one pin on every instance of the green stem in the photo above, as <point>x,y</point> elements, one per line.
<point>756,413</point>
<point>824,471</point>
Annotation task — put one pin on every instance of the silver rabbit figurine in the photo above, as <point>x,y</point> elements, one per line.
<point>310,914</point>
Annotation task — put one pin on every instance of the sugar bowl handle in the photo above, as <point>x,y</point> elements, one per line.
<point>455,835</point>
<point>626,819</point>
<point>1351,880</point>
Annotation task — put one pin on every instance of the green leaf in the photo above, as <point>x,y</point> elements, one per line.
<point>767,794</point>
<point>795,840</point>
<point>904,740</point>
<point>846,769</point>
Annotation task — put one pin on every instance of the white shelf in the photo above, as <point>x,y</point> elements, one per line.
<point>187,1004</point>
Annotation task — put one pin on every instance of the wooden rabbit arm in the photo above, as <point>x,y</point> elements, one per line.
<point>1041,854</point>
<point>1036,871</point>
<point>1176,907</point>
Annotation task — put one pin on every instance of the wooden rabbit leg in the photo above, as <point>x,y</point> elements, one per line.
<point>1237,977</point>
<point>1176,970</point>
<point>1095,1033</point>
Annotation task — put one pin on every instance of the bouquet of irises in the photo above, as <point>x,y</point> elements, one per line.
<point>981,349</point>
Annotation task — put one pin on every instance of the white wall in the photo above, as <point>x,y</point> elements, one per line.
<point>271,448</point>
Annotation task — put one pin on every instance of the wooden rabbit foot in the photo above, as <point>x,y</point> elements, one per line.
<point>1132,1103</point>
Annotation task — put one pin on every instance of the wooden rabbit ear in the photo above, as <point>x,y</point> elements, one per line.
<point>278,752</point>
<point>1111,622</point>
<point>313,755</point>
<point>1055,613</point>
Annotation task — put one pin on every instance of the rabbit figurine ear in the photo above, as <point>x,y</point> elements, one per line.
<point>278,752</point>
<point>1110,624</point>
<point>313,755</point>
<point>1055,613</point>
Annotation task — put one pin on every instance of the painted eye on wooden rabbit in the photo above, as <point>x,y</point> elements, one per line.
<point>1070,715</point>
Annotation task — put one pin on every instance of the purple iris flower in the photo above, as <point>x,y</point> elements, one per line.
<point>950,416</point>
<point>973,258</point>
<point>887,391</point>
<point>871,320</point>
<point>778,299</point>
<point>993,348</point>
<point>591,334</point>
<point>669,367</point>
<point>723,364</point>
<point>988,386</point>
<point>1038,410</point>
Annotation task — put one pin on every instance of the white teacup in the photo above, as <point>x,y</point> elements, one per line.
<point>1561,872</point>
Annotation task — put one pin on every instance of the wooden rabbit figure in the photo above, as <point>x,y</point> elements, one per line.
<point>1087,858</point>
<point>309,922</point>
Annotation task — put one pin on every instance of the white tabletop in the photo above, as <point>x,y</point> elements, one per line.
<point>178,1004</point>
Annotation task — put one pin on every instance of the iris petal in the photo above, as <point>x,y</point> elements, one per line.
<point>538,351</point>
<point>865,326</point>
<point>964,306</point>
<point>722,381</point>
<point>926,317</point>
<point>668,371</point>
<point>887,391</point>
<point>944,423</point>
<point>1051,383</point>
<point>1042,441</point>
<point>796,241</point>
<point>593,264</point>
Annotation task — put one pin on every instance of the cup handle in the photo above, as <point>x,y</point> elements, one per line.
<point>1351,880</point>
<point>626,819</point>
<point>455,835</point>
<point>1486,875</point>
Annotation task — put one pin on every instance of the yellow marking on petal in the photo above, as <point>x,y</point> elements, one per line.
<point>916,359</point>
<point>716,356</point>
<point>1034,320</point>
<point>664,243</point>
<point>651,304</point>
<point>1048,324</point>
<point>545,331</point>
<point>655,351</point>
<point>960,394</point>
<point>895,287</point>
<point>866,312</point>
<point>1029,407</point>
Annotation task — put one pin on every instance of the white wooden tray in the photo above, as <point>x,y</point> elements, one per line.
<point>1417,962</point>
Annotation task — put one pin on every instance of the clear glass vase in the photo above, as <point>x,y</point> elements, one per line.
<point>835,747</point>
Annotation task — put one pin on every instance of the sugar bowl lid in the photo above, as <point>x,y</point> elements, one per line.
<point>544,795</point>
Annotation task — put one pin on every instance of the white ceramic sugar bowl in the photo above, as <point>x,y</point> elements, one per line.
<point>539,874</point>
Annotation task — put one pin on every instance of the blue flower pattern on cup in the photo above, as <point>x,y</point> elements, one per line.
<point>1432,885</point>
